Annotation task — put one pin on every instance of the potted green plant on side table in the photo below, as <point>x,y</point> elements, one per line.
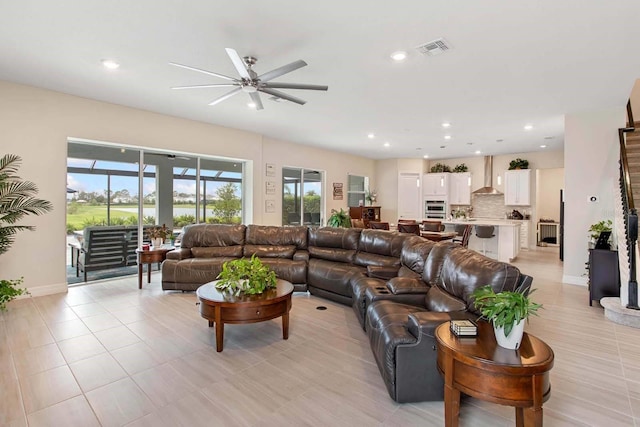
<point>507,311</point>
<point>250,276</point>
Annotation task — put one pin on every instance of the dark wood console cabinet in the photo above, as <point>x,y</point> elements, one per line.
<point>365,213</point>
<point>604,274</point>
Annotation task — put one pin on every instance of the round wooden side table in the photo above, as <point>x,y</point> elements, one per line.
<point>482,369</point>
<point>149,257</point>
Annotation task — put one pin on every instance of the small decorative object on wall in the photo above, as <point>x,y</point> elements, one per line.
<point>439,167</point>
<point>507,311</point>
<point>519,164</point>
<point>460,168</point>
<point>270,187</point>
<point>270,206</point>
<point>337,191</point>
<point>270,169</point>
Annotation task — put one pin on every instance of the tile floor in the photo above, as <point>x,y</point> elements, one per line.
<point>109,354</point>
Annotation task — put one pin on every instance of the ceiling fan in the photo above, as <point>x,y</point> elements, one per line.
<point>252,83</point>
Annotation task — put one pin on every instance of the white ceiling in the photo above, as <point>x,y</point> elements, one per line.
<point>512,63</point>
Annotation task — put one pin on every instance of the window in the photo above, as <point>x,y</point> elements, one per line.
<point>356,190</point>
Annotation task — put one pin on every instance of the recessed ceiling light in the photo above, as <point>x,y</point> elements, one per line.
<point>528,127</point>
<point>110,64</point>
<point>399,55</point>
<point>371,135</point>
<point>251,105</point>
<point>447,137</point>
<point>426,156</point>
<point>478,152</point>
<point>386,144</point>
<point>543,146</point>
<point>446,125</point>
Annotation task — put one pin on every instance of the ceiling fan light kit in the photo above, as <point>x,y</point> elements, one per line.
<point>251,83</point>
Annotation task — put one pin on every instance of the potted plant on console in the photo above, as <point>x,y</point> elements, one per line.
<point>250,276</point>
<point>158,234</point>
<point>507,311</point>
<point>339,219</point>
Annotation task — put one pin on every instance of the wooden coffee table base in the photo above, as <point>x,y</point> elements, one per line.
<point>222,308</point>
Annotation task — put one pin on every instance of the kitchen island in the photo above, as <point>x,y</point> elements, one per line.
<point>503,246</point>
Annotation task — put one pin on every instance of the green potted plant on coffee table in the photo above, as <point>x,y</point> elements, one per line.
<point>249,276</point>
<point>507,311</point>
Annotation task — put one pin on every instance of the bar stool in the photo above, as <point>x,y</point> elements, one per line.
<point>484,232</point>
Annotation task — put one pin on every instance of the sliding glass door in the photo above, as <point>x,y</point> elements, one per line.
<point>302,196</point>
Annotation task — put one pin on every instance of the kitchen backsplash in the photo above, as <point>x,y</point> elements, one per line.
<point>488,206</point>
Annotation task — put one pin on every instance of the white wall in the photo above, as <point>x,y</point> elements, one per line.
<point>591,168</point>
<point>36,124</point>
<point>336,167</point>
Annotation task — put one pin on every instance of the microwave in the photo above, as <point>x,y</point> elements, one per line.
<point>435,209</point>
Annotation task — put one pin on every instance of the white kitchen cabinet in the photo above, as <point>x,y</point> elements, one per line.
<point>435,184</point>
<point>460,188</point>
<point>517,187</point>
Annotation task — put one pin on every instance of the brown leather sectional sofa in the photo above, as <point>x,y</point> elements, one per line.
<point>400,286</point>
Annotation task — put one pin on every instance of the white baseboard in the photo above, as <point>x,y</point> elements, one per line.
<point>39,291</point>
<point>575,280</point>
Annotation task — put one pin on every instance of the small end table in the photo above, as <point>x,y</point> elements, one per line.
<point>481,368</point>
<point>149,257</point>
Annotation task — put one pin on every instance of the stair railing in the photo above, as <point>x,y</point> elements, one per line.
<point>631,218</point>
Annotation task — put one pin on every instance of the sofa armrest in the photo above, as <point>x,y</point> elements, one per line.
<point>301,255</point>
<point>426,322</point>
<point>181,253</point>
<point>382,272</point>
<point>407,285</point>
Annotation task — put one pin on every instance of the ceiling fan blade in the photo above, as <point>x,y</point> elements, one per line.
<point>255,98</point>
<point>225,96</point>
<point>269,75</point>
<point>238,63</point>
<point>205,86</point>
<point>282,95</point>
<point>202,71</point>
<point>295,86</point>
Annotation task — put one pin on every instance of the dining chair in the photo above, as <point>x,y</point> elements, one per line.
<point>379,225</point>
<point>413,228</point>
<point>432,226</point>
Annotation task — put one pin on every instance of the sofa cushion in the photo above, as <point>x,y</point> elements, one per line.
<point>277,236</point>
<point>382,242</point>
<point>214,251</point>
<point>193,270</point>
<point>333,237</point>
<point>365,259</point>
<point>407,285</point>
<point>435,259</point>
<point>332,254</point>
<point>441,301</point>
<point>333,276</point>
<point>212,235</point>
<point>287,269</point>
<point>464,271</point>
<point>268,251</point>
<point>414,253</point>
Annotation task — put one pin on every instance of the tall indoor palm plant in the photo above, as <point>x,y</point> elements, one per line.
<point>17,200</point>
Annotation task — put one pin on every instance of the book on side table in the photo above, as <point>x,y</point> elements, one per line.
<point>464,328</point>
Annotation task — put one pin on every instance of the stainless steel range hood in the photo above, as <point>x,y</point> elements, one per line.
<point>488,178</point>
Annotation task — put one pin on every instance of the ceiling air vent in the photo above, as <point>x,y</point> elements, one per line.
<point>434,47</point>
